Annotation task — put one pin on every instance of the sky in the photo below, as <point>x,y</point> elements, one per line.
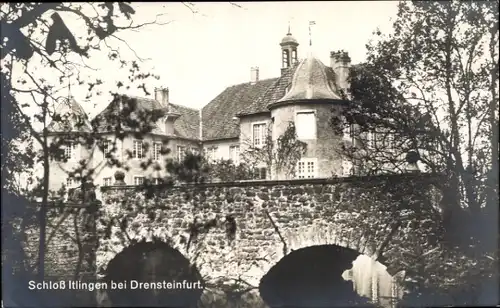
<point>199,51</point>
<point>199,55</point>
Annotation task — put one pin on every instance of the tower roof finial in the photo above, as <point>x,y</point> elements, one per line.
<point>289,33</point>
<point>311,23</point>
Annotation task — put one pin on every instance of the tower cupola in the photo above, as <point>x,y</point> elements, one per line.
<point>288,50</point>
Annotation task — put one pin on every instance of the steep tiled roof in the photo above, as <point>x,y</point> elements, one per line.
<point>312,81</point>
<point>273,93</point>
<point>186,125</point>
<point>72,118</point>
<point>218,115</point>
<point>107,120</point>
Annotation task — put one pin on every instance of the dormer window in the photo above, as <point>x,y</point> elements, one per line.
<point>169,125</point>
<point>70,151</point>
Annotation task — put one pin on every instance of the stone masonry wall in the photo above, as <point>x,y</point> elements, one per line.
<point>69,252</point>
<point>350,212</point>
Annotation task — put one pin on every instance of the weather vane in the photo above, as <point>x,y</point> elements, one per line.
<point>70,72</point>
<point>311,23</point>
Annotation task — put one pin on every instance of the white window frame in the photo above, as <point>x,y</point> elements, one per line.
<point>352,133</point>
<point>234,153</point>
<point>70,151</point>
<point>373,139</point>
<point>106,148</point>
<point>349,132</point>
<point>157,180</point>
<point>347,168</point>
<point>181,152</point>
<point>262,133</point>
<point>257,173</point>
<point>212,153</point>
<point>304,168</point>
<point>70,182</point>
<point>306,111</point>
<point>135,152</point>
<point>105,180</point>
<point>389,141</point>
<point>136,180</point>
<point>157,151</point>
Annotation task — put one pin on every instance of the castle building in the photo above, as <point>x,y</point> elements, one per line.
<point>307,93</point>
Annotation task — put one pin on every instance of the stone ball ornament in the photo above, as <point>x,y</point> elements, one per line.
<point>119,175</point>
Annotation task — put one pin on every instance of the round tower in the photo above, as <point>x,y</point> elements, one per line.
<point>308,104</point>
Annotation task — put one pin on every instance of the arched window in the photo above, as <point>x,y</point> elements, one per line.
<point>286,59</point>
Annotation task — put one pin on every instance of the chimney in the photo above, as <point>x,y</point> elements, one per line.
<point>201,123</point>
<point>341,64</point>
<point>162,96</point>
<point>158,94</point>
<point>254,75</point>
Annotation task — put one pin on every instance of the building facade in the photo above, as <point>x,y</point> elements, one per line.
<point>307,93</point>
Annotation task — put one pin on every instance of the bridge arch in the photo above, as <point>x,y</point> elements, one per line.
<point>318,258</point>
<point>312,277</point>
<point>311,236</point>
<point>156,245</point>
<point>170,277</point>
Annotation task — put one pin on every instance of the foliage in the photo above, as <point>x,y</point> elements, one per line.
<point>224,170</point>
<point>197,168</point>
<point>36,54</point>
<point>280,155</point>
<point>40,54</point>
<point>432,86</point>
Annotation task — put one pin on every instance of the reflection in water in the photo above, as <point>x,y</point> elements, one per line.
<point>312,277</point>
<point>319,276</point>
<point>370,279</point>
<point>152,262</point>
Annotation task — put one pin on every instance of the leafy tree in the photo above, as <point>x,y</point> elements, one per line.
<point>432,86</point>
<point>280,155</point>
<point>36,53</point>
<point>42,50</point>
<point>197,168</point>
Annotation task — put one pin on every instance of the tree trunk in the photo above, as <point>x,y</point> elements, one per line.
<point>493,122</point>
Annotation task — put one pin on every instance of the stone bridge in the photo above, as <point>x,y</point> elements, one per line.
<point>247,237</point>
<point>242,230</point>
